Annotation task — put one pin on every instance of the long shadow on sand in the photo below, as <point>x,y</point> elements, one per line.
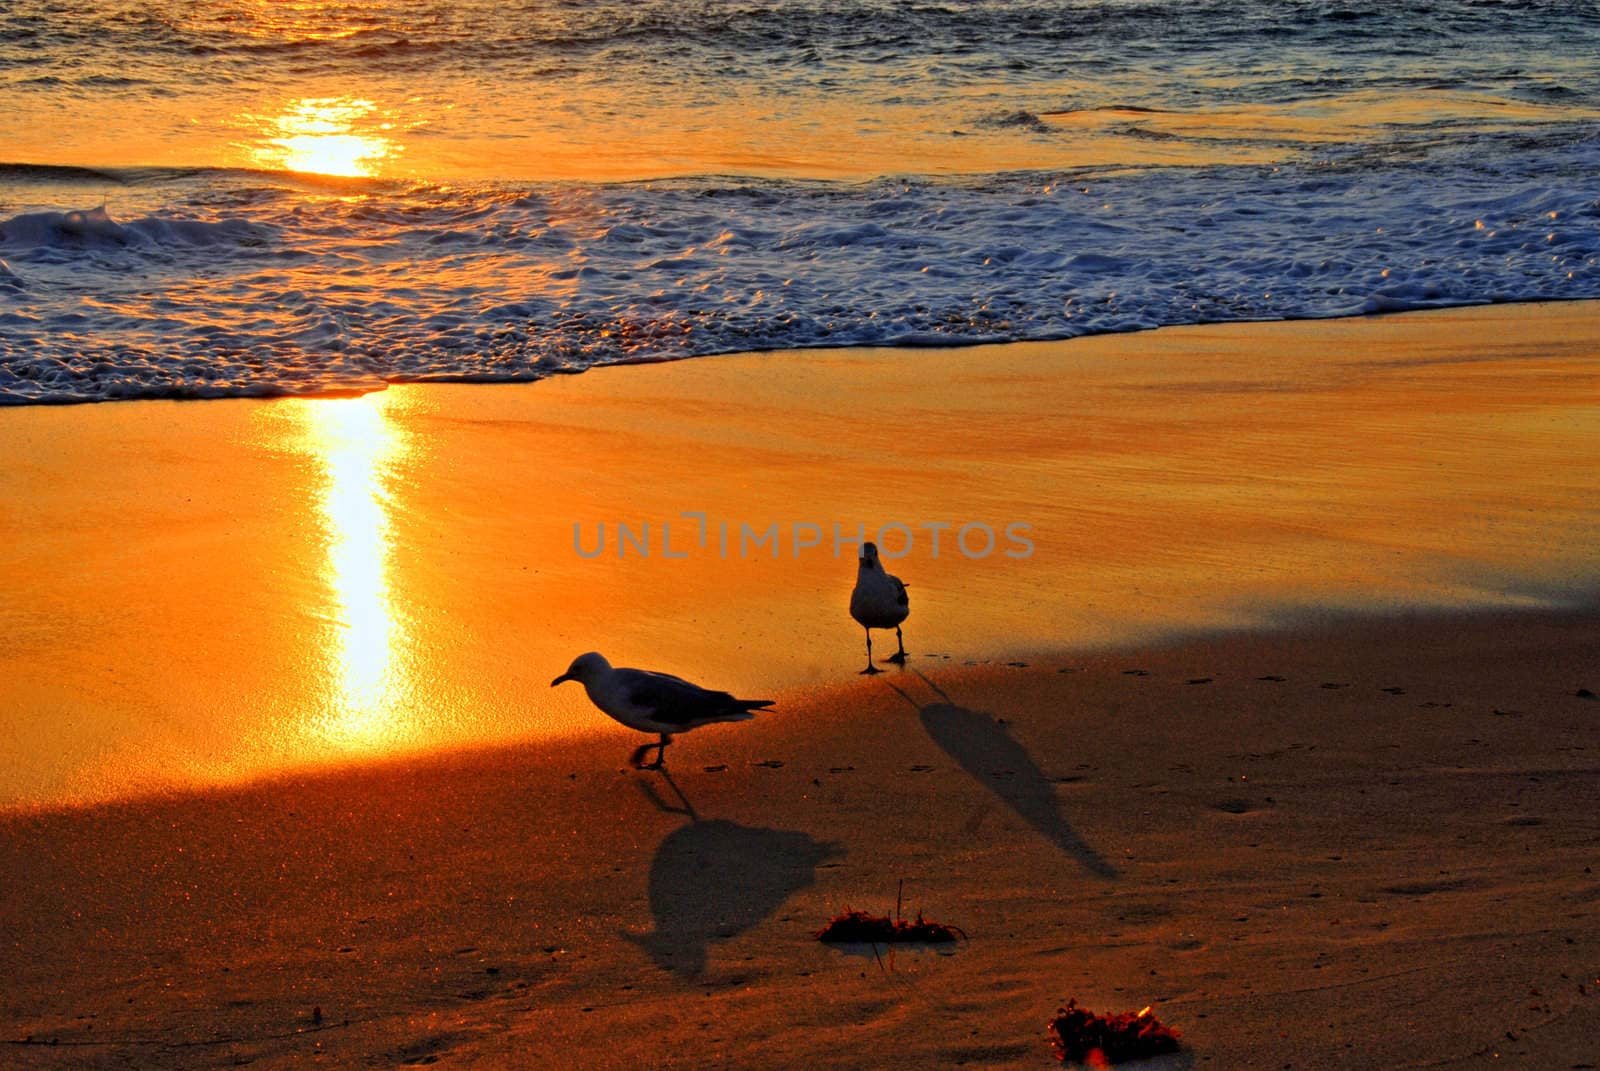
<point>711,880</point>
<point>987,751</point>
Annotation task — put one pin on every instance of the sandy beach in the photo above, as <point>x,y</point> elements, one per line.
<point>1219,382</point>
<point>1383,858</point>
<point>1285,726</point>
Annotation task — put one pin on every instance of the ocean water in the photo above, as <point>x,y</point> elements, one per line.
<point>254,197</point>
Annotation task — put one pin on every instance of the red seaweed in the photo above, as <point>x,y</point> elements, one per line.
<point>1102,1040</point>
<point>862,927</point>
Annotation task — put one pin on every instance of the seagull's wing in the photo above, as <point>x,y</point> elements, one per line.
<point>658,675</point>
<point>675,701</point>
<point>900,592</point>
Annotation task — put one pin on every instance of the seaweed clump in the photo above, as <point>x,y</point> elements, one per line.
<point>1102,1040</point>
<point>864,928</point>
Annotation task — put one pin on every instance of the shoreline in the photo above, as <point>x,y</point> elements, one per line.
<point>952,344</point>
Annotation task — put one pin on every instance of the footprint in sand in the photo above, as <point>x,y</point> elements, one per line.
<point>1136,673</point>
<point>1273,677</point>
<point>427,1050</point>
<point>1584,693</point>
<point>1427,888</point>
<point>1235,806</point>
<point>1201,680</point>
<point>1394,691</point>
<point>1142,913</point>
<point>1334,684</point>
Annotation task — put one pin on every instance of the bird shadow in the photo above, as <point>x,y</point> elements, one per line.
<point>985,748</point>
<point>713,880</point>
<point>683,806</point>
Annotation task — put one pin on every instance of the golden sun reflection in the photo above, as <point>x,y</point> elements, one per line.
<point>343,136</point>
<point>356,445</point>
<point>299,20</point>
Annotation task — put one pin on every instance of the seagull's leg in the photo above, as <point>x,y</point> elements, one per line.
<point>870,667</point>
<point>900,655</point>
<point>637,758</point>
<point>661,753</point>
<point>687,808</point>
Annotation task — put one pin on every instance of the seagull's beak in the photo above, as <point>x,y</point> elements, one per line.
<point>563,677</point>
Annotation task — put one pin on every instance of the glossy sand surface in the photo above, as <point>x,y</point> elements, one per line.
<point>200,593</point>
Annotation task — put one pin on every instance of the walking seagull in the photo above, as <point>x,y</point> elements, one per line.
<point>878,601</point>
<point>654,702</point>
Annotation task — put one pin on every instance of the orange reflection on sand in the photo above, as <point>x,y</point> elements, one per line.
<point>344,136</point>
<point>356,446</point>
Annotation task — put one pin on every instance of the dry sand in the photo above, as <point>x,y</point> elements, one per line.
<point>1384,858</point>
<point>1297,754</point>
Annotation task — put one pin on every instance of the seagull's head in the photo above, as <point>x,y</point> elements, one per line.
<point>584,668</point>
<point>869,554</point>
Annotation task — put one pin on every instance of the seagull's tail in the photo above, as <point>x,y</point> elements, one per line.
<point>731,709</point>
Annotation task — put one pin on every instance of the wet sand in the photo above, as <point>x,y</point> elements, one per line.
<point>202,593</point>
<point>1281,728</point>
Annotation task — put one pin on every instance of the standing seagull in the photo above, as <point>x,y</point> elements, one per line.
<point>654,702</point>
<point>878,601</point>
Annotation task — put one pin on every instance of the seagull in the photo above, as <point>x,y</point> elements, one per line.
<point>654,702</point>
<point>878,601</point>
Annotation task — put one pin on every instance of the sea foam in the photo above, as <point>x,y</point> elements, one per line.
<point>248,287</point>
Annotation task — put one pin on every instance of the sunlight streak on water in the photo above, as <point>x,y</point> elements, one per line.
<point>293,20</point>
<point>343,136</point>
<point>357,445</point>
